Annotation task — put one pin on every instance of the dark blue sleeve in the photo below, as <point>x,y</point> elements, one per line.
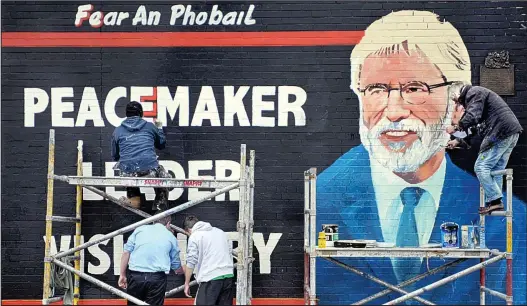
<point>115,147</point>
<point>159,138</point>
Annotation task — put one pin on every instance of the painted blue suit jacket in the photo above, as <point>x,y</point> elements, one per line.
<point>345,195</point>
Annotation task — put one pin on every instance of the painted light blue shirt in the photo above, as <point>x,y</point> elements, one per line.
<point>153,248</point>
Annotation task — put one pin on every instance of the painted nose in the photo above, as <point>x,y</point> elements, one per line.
<point>396,109</point>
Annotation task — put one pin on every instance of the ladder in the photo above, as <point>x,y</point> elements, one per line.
<point>47,298</point>
<point>243,253</point>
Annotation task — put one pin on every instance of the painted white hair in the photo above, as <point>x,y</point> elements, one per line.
<point>441,43</point>
<point>420,30</point>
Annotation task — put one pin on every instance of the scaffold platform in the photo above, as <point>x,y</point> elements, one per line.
<point>243,254</point>
<point>486,256</point>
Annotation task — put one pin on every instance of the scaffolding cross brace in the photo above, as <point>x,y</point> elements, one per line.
<point>485,255</point>
<point>243,253</point>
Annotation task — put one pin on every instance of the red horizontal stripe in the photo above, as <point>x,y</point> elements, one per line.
<point>171,301</point>
<point>180,39</point>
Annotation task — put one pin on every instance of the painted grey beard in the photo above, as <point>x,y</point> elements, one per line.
<point>431,139</point>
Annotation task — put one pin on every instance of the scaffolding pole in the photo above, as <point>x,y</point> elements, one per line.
<point>151,219</point>
<point>99,283</point>
<point>412,280</point>
<point>49,213</point>
<point>243,254</point>
<point>306,237</point>
<point>311,252</point>
<point>376,280</point>
<point>78,214</point>
<point>242,231</point>
<point>446,280</point>
<point>251,227</point>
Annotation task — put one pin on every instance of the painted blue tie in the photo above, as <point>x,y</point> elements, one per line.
<point>407,235</point>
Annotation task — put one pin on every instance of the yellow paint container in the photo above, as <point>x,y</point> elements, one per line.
<point>321,240</point>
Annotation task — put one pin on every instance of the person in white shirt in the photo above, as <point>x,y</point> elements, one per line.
<point>209,256</point>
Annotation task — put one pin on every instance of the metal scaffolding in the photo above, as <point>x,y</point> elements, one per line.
<point>486,256</point>
<point>243,253</point>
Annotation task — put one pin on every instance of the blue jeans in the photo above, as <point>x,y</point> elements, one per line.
<point>494,159</point>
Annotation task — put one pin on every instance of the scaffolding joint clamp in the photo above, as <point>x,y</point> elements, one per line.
<point>509,299</point>
<point>240,225</point>
<point>508,255</point>
<point>48,259</point>
<point>310,212</point>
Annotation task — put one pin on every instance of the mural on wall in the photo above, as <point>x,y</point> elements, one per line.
<point>400,184</point>
<point>275,76</point>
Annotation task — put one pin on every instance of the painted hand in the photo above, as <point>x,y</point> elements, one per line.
<point>122,282</point>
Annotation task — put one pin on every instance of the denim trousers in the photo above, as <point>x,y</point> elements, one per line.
<point>494,159</point>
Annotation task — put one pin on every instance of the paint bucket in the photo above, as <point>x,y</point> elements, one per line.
<point>470,237</point>
<point>449,235</point>
<point>482,241</point>
<point>332,233</point>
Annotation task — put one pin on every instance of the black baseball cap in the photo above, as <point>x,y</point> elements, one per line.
<point>134,109</point>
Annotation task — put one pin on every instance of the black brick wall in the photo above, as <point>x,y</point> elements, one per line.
<point>283,153</point>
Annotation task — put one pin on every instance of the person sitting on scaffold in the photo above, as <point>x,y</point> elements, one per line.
<point>490,116</point>
<point>133,148</point>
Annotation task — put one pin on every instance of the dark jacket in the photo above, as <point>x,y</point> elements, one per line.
<point>489,114</point>
<point>133,144</point>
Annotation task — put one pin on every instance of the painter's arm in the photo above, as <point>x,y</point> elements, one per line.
<point>125,259</point>
<point>192,260</point>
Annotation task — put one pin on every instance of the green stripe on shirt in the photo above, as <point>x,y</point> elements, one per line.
<point>223,276</point>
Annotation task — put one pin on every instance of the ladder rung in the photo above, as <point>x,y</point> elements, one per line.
<point>63,219</point>
<point>501,213</point>
<point>501,172</point>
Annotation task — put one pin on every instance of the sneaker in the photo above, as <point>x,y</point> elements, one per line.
<point>159,206</point>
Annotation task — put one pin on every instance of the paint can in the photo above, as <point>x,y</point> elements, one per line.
<point>482,237</point>
<point>321,240</point>
<point>449,235</point>
<point>470,237</point>
<point>332,233</point>
<point>464,237</point>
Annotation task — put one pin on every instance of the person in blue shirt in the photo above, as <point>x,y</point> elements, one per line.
<point>149,254</point>
<point>133,147</point>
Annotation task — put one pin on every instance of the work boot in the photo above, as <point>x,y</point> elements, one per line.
<point>134,202</point>
<point>161,199</point>
<point>496,205</point>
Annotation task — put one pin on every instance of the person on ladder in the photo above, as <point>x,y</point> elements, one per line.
<point>133,148</point>
<point>500,129</point>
